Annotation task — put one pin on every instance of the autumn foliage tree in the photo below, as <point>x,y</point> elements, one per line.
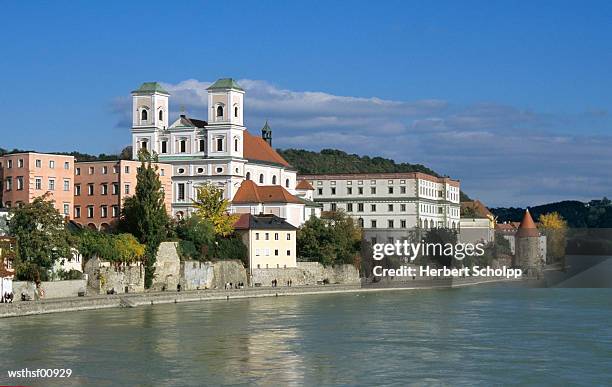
<point>555,228</point>
<point>211,206</point>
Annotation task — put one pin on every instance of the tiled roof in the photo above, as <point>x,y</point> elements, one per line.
<point>257,149</point>
<point>151,87</point>
<point>527,227</point>
<point>249,192</point>
<point>479,208</point>
<point>262,222</point>
<point>304,184</point>
<point>225,83</point>
<point>186,121</point>
<point>382,175</point>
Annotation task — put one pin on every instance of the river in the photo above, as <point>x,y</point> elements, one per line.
<point>485,335</point>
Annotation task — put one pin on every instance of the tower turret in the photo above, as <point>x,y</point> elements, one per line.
<point>528,256</point>
<point>149,116</point>
<point>266,133</point>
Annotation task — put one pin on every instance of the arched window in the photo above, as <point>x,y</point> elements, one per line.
<point>161,115</point>
<point>236,111</point>
<point>144,115</point>
<point>248,176</point>
<point>273,179</point>
<point>287,183</point>
<point>236,144</point>
<point>219,111</point>
<point>261,178</point>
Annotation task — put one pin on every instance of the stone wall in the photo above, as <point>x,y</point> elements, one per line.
<point>196,275</point>
<point>52,289</point>
<point>307,273</point>
<point>102,277</point>
<point>228,271</point>
<point>167,267</point>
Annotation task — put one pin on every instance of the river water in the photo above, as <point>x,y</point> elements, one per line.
<point>480,335</point>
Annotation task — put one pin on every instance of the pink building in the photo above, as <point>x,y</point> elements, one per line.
<point>101,188</point>
<point>25,176</point>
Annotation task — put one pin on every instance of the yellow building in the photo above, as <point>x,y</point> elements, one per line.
<point>269,239</point>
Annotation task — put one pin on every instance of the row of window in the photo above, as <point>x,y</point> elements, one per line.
<point>350,207</point>
<point>37,163</point>
<point>262,179</point>
<point>183,145</point>
<point>66,206</point>
<point>103,189</point>
<point>391,223</point>
<point>38,184</point>
<point>103,211</point>
<point>349,190</point>
<point>103,170</point>
<point>423,223</point>
<point>276,236</point>
<point>360,182</point>
<point>266,253</point>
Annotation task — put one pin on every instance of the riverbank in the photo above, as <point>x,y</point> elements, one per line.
<point>132,300</point>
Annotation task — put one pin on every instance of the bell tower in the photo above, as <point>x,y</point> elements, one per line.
<point>149,116</point>
<point>266,133</point>
<point>225,128</point>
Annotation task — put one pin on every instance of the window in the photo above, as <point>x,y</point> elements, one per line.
<point>77,190</point>
<point>164,146</point>
<point>103,211</point>
<point>359,207</point>
<point>66,209</point>
<point>390,207</point>
<point>200,170</point>
<point>320,191</point>
<point>390,223</point>
<point>90,211</point>
<point>402,223</point>
<point>333,206</point>
<point>349,191</point>
<point>373,190</point>
<point>261,178</point>
<point>144,115</point>
<point>77,171</point>
<point>38,164</point>
<point>66,165</point>
<point>219,170</point>
<point>220,145</point>
<point>77,212</point>
<point>20,163</point>
<point>248,175</point>
<point>288,236</point>
<point>66,185</point>
<point>273,180</point>
<point>276,236</point>
<point>115,169</point>
<point>180,171</point>
<point>373,207</point>
<point>349,207</point>
<point>126,189</point>
<point>267,236</point>
<point>91,170</point>
<point>219,111</point>
<point>183,146</point>
<point>115,211</point>
<point>115,188</point>
<point>236,111</point>
<point>181,191</point>
<point>51,164</point>
<point>38,183</point>
<point>402,207</point>
<point>90,189</point>
<point>256,236</point>
<point>9,183</point>
<point>202,145</point>
<point>287,183</point>
<point>402,189</point>
<point>161,115</point>
<point>276,252</point>
<point>9,163</point>
<point>360,190</point>
<point>143,145</point>
<point>391,190</point>
<point>333,190</point>
<point>104,189</point>
<point>236,144</point>
<point>127,169</point>
<point>51,184</point>
<point>373,224</point>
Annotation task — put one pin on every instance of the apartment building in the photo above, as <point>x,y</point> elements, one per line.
<point>101,187</point>
<point>25,176</point>
<point>390,200</point>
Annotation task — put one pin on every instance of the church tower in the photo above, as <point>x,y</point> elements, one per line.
<point>149,116</point>
<point>225,118</point>
<point>266,133</point>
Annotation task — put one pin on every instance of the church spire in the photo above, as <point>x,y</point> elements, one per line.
<point>266,133</point>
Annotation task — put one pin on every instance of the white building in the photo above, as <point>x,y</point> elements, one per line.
<point>220,151</point>
<point>390,200</point>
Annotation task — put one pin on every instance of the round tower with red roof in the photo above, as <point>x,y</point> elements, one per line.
<point>528,256</point>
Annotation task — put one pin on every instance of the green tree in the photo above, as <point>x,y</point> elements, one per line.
<point>41,235</point>
<point>144,214</point>
<point>334,239</point>
<point>211,206</point>
<point>197,236</point>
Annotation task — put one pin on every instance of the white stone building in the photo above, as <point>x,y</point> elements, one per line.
<point>390,200</point>
<point>220,151</point>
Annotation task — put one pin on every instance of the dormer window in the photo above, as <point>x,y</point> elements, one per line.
<point>144,115</point>
<point>248,176</point>
<point>287,183</point>
<point>219,111</point>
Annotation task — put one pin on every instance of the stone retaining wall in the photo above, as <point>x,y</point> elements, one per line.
<point>167,267</point>
<point>228,271</point>
<point>307,273</point>
<point>51,289</point>
<point>196,275</point>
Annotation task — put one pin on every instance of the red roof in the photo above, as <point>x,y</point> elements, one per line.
<point>527,227</point>
<point>249,192</point>
<point>304,184</point>
<point>257,149</point>
<point>243,222</point>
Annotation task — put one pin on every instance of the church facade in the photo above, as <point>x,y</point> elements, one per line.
<point>219,150</point>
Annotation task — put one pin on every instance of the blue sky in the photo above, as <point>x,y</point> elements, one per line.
<point>513,98</point>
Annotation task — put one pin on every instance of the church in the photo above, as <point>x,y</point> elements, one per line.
<point>220,151</point>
